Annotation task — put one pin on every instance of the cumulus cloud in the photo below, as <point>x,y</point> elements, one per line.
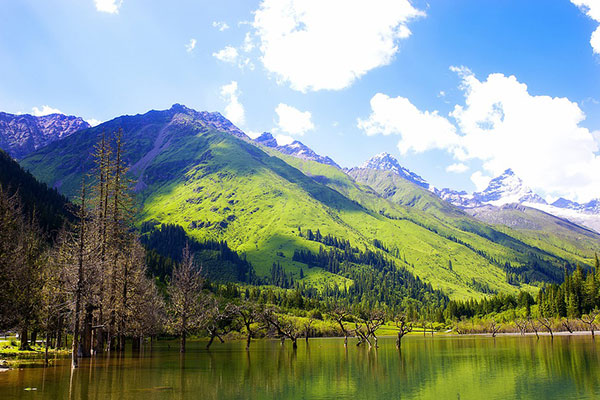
<point>191,45</point>
<point>282,140</point>
<point>504,126</point>
<point>539,137</point>
<point>293,121</point>
<point>221,26</point>
<point>316,45</point>
<point>591,8</point>
<point>419,130</point>
<point>480,180</point>
<point>457,168</point>
<point>229,55</point>
<point>108,6</point>
<point>234,110</point>
<point>45,110</point>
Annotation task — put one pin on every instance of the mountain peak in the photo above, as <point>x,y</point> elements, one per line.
<point>296,149</point>
<point>386,162</point>
<point>266,139</point>
<point>21,134</point>
<point>508,188</point>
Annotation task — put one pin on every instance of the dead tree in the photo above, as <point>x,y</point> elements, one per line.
<point>285,327</point>
<point>521,325</point>
<point>590,319</point>
<point>248,314</point>
<point>534,326</point>
<point>494,328</point>
<point>371,321</point>
<point>308,328</point>
<point>568,325</point>
<point>404,327</point>
<point>340,314</point>
<point>185,290</point>
<point>217,320</point>
<point>546,323</point>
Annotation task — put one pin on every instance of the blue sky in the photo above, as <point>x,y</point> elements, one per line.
<point>435,83</point>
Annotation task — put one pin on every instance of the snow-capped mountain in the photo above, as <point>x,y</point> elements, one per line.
<point>386,162</point>
<point>295,149</point>
<point>508,188</point>
<point>21,134</point>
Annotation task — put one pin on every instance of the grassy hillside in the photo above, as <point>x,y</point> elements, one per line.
<point>220,187</point>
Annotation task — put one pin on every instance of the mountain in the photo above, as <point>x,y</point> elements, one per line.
<point>298,215</point>
<point>23,133</point>
<point>294,149</point>
<point>385,162</point>
<point>52,210</point>
<point>508,189</point>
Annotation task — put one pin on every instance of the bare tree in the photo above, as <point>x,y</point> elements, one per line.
<point>568,325</point>
<point>534,326</point>
<point>248,314</point>
<point>493,328</point>
<point>184,291</point>
<point>403,326</point>
<point>590,319</point>
<point>546,323</point>
<point>371,321</point>
<point>521,325</point>
<point>308,327</point>
<point>340,314</point>
<point>218,319</point>
<point>285,326</point>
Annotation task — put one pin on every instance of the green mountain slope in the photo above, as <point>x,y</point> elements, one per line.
<point>528,226</point>
<point>219,186</point>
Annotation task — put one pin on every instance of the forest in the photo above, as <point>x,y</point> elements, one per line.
<point>84,276</point>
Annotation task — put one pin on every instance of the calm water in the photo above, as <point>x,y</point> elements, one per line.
<point>427,368</point>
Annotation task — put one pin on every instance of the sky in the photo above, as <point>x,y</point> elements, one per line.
<point>458,91</point>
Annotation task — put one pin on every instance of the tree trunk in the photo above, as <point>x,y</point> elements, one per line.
<point>23,336</point>
<point>33,339</point>
<point>46,350</point>
<point>86,335</point>
<point>248,341</point>
<point>182,343</point>
<point>210,342</point>
<point>294,344</point>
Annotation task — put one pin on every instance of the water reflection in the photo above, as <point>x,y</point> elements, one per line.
<point>426,368</point>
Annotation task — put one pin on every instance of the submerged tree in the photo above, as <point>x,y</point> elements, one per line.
<point>404,327</point>
<point>185,292</point>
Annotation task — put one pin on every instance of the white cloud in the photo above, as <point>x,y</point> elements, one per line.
<point>221,26</point>
<point>108,6</point>
<point>234,110</point>
<point>293,121</point>
<point>480,180</point>
<point>591,8</point>
<point>253,134</point>
<point>248,45</point>
<point>316,45</point>
<point>539,137</point>
<point>45,110</point>
<point>457,168</point>
<point>228,54</point>
<point>282,140</point>
<point>191,45</point>
<point>504,126</point>
<point>419,131</point>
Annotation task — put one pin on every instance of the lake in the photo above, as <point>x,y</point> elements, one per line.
<point>466,367</point>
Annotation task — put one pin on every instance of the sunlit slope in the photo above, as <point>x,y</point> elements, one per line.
<point>219,186</point>
<point>532,227</point>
